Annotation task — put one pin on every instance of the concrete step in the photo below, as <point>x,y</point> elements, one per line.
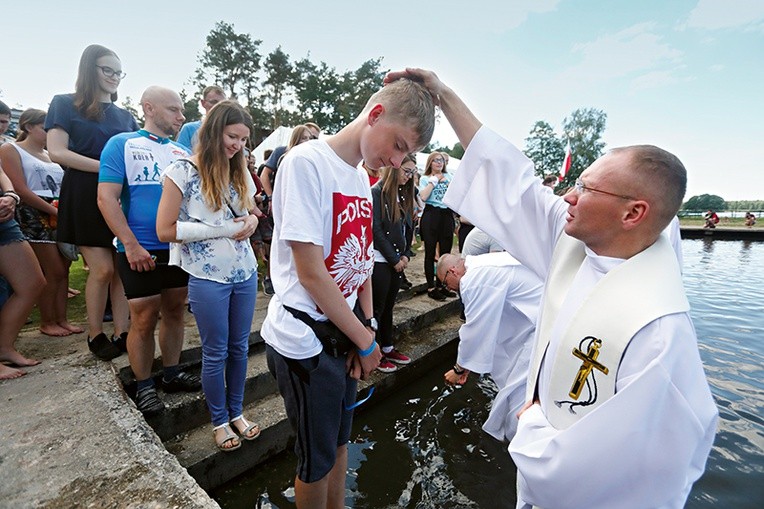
<point>192,351</point>
<point>428,346</point>
<point>185,411</point>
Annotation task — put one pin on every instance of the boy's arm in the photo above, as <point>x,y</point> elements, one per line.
<point>313,276</point>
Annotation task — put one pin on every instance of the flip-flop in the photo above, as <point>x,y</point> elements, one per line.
<point>230,436</point>
<point>249,427</point>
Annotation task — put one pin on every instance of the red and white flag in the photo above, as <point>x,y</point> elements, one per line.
<point>565,163</point>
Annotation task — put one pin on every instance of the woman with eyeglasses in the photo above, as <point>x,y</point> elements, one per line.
<point>206,211</point>
<point>78,126</point>
<point>393,202</point>
<point>437,224</point>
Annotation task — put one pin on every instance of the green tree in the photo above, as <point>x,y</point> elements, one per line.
<point>457,151</point>
<point>583,128</point>
<point>133,109</point>
<point>704,202</point>
<point>230,60</point>
<point>356,87</point>
<point>278,87</point>
<point>190,106</point>
<point>545,149</point>
<point>316,88</point>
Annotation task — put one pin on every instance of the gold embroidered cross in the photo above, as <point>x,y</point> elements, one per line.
<point>590,362</point>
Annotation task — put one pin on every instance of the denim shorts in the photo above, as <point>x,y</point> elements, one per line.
<point>10,232</point>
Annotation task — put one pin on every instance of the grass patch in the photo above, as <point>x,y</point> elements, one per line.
<point>75,307</point>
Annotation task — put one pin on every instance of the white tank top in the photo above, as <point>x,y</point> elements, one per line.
<point>43,179</point>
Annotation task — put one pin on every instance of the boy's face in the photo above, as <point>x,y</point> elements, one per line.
<point>5,121</point>
<point>387,141</point>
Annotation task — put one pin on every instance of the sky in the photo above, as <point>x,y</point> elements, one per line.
<point>685,75</point>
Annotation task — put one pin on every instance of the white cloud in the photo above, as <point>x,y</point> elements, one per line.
<point>654,79</point>
<point>637,50</point>
<point>492,16</point>
<point>718,14</point>
<point>716,68</point>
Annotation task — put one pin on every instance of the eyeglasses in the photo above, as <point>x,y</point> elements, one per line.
<point>409,171</point>
<point>580,187</point>
<point>111,73</point>
<point>445,278</point>
<point>439,160</point>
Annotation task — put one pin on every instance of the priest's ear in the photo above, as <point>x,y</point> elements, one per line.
<point>635,213</point>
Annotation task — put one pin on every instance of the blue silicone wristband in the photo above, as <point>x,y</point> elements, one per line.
<point>368,351</point>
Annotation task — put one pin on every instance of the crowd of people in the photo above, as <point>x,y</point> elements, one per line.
<point>574,304</point>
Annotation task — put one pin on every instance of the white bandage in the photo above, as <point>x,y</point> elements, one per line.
<point>189,232</point>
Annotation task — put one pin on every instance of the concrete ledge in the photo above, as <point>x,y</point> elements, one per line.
<point>722,233</point>
<point>87,445</point>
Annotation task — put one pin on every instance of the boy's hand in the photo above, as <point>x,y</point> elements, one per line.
<point>371,361</point>
<point>353,365</point>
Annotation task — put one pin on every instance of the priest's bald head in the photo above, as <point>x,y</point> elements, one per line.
<point>625,199</point>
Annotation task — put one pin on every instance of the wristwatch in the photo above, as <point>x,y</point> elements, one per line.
<point>371,323</point>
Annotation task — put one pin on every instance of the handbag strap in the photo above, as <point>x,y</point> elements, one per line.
<point>301,315</point>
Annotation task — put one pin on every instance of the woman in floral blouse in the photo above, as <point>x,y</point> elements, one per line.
<point>205,211</point>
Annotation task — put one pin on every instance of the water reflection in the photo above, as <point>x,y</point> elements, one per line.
<point>708,249</point>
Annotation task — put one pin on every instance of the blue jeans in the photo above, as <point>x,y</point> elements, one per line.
<point>223,313</point>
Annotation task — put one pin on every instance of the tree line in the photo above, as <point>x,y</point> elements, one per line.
<point>277,89</point>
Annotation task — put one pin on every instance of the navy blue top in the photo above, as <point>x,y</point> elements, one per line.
<point>88,137</point>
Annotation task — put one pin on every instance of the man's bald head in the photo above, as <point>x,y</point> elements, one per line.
<point>163,109</point>
<point>657,176</point>
<point>446,262</point>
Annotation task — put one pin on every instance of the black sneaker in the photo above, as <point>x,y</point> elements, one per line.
<point>405,283</point>
<point>103,348</point>
<point>182,382</point>
<point>268,286</point>
<point>435,293</point>
<point>446,292</point>
<point>148,402</point>
<point>120,341</point>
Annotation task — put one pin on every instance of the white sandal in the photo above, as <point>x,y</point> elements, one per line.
<point>230,436</point>
<point>247,429</point>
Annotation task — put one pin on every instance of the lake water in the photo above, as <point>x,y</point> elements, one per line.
<point>423,447</point>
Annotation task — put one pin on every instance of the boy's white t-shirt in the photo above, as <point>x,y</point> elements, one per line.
<point>319,199</point>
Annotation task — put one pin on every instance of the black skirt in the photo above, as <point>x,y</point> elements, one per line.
<point>79,220</point>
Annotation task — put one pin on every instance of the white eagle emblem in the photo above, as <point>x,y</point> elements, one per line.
<point>352,263</point>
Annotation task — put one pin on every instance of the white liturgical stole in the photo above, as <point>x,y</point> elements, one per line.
<point>584,371</point>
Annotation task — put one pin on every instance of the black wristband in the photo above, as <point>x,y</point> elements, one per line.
<point>458,369</point>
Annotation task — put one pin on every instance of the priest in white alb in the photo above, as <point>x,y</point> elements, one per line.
<point>501,302</point>
<point>619,413</point>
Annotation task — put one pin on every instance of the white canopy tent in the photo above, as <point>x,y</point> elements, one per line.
<point>279,137</point>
